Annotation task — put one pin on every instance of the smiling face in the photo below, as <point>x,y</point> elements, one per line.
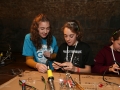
<point>116,44</point>
<point>69,37</point>
<point>44,29</point>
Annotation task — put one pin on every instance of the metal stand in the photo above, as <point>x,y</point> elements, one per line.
<point>6,57</point>
<point>77,86</point>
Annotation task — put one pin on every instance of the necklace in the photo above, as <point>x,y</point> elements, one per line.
<point>72,53</point>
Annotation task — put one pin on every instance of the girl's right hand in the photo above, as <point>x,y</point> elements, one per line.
<point>56,65</point>
<point>114,68</point>
<point>41,67</point>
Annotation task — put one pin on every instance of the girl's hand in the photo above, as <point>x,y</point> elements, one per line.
<point>41,67</point>
<point>56,65</point>
<point>68,66</point>
<point>47,54</point>
<point>114,68</point>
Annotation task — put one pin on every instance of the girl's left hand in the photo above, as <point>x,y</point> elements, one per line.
<point>47,54</point>
<point>68,66</point>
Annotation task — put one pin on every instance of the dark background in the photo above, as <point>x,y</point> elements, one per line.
<point>99,18</point>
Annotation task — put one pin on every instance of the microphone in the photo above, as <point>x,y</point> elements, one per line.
<point>50,79</point>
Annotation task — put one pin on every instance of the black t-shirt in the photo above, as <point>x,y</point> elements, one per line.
<point>82,54</point>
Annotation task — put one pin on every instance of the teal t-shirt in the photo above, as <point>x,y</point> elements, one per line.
<point>30,50</point>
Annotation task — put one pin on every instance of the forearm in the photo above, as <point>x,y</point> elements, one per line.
<point>87,69</point>
<point>53,56</point>
<point>30,62</point>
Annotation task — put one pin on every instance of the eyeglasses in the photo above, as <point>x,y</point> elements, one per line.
<point>74,24</point>
<point>70,23</point>
<point>116,32</point>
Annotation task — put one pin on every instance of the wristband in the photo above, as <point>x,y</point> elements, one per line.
<point>78,69</point>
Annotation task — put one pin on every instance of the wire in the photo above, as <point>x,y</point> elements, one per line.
<point>58,65</point>
<point>43,80</point>
<point>108,81</point>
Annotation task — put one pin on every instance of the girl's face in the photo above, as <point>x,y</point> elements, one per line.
<point>70,37</point>
<point>44,29</point>
<point>116,45</point>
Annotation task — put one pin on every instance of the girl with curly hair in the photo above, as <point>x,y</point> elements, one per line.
<point>40,45</point>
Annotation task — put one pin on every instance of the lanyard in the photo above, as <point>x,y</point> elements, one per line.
<point>72,53</point>
<point>113,55</point>
<point>114,59</point>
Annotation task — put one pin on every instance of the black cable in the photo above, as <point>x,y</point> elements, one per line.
<point>109,81</point>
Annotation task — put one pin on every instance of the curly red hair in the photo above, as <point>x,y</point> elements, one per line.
<point>35,37</point>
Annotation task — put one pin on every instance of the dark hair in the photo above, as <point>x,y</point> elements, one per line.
<point>116,35</point>
<point>35,37</point>
<point>75,27</point>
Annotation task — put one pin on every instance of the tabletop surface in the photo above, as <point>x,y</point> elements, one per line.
<point>10,80</point>
<point>87,82</point>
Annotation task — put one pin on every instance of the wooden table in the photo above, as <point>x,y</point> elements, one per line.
<point>88,82</point>
<point>18,62</point>
<point>8,81</point>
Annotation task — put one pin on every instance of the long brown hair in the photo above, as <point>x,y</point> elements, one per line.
<point>35,37</point>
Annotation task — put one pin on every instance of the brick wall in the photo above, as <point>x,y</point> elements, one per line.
<point>99,18</point>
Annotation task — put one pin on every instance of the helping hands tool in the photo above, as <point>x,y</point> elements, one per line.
<point>25,86</point>
<point>75,83</point>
